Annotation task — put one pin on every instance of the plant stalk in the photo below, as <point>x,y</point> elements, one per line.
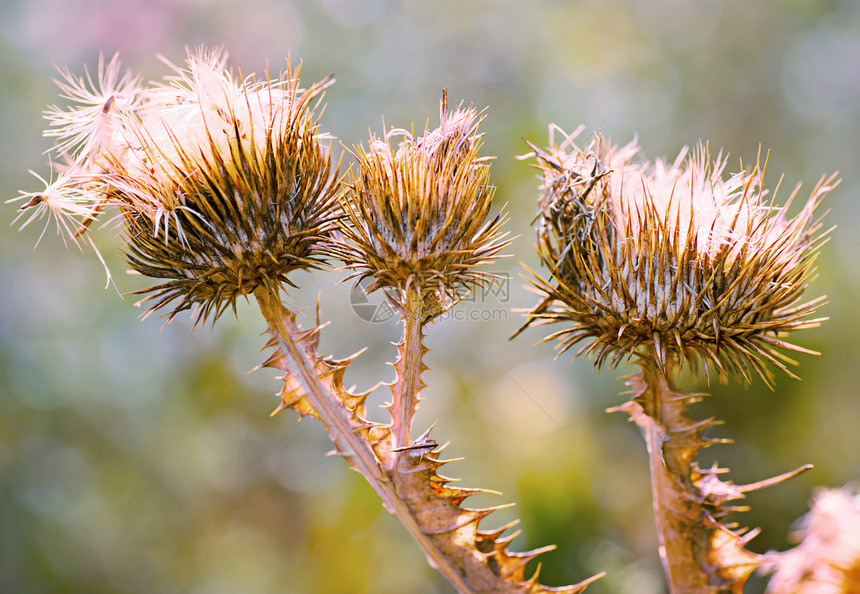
<point>408,384</point>
<point>406,479</point>
<point>676,537</point>
<point>699,552</point>
<point>302,362</point>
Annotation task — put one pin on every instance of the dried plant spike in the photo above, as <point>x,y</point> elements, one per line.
<point>826,559</point>
<point>222,185</point>
<point>416,226</point>
<point>671,256</point>
<point>232,189</point>
<point>417,214</point>
<point>665,263</point>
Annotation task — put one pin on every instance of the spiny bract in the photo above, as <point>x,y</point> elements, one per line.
<point>222,185</point>
<point>416,215</point>
<point>672,259</point>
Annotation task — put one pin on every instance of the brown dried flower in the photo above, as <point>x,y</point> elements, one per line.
<point>417,215</point>
<point>671,258</point>
<point>222,185</point>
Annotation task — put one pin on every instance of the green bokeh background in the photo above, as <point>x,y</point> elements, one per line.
<point>136,458</point>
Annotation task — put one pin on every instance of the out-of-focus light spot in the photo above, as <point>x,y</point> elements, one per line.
<point>54,475</point>
<point>821,75</point>
<point>241,559</point>
<point>623,572</point>
<point>43,26</point>
<point>302,468</point>
<point>354,13</point>
<point>266,34</point>
<point>677,24</point>
<point>220,451</point>
<point>533,399</point>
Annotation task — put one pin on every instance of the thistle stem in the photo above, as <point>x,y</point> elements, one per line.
<point>406,481</point>
<point>407,385</point>
<point>673,528</point>
<point>699,553</point>
<point>302,362</point>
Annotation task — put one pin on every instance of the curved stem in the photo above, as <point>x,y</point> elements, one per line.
<point>303,363</point>
<point>406,480</point>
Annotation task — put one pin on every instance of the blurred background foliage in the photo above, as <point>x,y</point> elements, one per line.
<point>136,458</point>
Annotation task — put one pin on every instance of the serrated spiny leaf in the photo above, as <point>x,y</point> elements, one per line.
<point>411,487</point>
<point>292,396</point>
<point>407,384</point>
<point>702,553</point>
<point>332,370</point>
<point>483,555</point>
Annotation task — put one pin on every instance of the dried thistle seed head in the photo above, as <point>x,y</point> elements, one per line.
<point>417,214</point>
<point>223,185</point>
<point>671,260</point>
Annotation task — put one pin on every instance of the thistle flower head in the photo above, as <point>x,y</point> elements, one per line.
<point>827,558</point>
<point>222,184</point>
<point>417,214</point>
<point>671,260</point>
